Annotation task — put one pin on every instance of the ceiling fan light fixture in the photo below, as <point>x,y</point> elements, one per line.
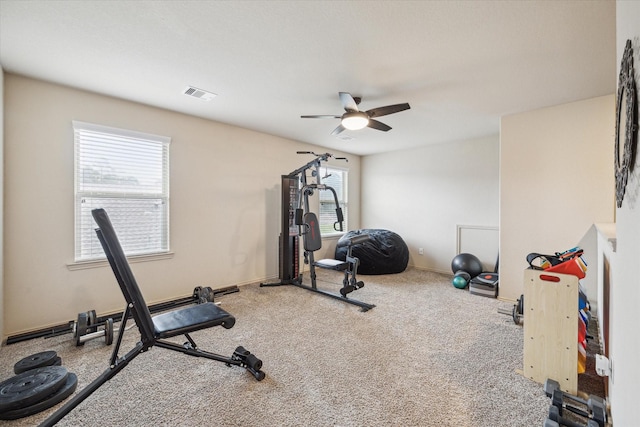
<point>355,120</point>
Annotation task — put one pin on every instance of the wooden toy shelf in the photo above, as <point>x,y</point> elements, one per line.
<point>551,328</point>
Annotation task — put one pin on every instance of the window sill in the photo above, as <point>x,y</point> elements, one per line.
<point>333,236</point>
<point>82,265</point>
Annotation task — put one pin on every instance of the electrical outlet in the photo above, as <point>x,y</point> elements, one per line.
<point>420,251</point>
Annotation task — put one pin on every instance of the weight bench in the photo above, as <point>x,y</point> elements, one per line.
<point>313,242</point>
<point>154,330</point>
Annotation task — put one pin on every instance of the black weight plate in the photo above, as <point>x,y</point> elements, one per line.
<point>92,318</point>
<point>63,392</point>
<point>30,387</point>
<point>38,360</point>
<point>521,305</point>
<point>81,327</point>
<point>108,331</point>
<point>554,413</point>
<point>204,295</point>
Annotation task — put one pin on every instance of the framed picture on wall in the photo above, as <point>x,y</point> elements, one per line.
<point>626,127</point>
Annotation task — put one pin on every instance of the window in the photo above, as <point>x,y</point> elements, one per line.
<point>127,174</point>
<point>337,179</point>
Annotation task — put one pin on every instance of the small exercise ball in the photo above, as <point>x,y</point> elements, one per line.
<point>468,263</point>
<point>459,282</point>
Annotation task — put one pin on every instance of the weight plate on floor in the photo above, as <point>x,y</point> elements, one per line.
<point>209,294</point>
<point>108,331</point>
<point>61,394</point>
<point>38,360</point>
<point>31,387</point>
<point>521,305</point>
<point>81,327</point>
<point>92,318</point>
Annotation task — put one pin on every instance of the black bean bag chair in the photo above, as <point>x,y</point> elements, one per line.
<point>384,253</point>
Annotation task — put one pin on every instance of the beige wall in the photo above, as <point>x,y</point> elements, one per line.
<point>624,346</point>
<point>225,204</point>
<point>423,194</point>
<point>556,181</point>
<point>1,202</point>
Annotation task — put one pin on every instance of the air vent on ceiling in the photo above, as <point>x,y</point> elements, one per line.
<point>199,93</point>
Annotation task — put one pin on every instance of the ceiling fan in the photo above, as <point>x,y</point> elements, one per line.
<point>355,119</point>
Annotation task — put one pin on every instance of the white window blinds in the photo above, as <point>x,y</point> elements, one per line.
<point>337,179</point>
<point>127,174</point>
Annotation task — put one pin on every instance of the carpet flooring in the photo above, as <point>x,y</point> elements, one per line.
<point>428,354</point>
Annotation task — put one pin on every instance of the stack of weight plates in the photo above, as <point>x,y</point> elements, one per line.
<point>40,383</point>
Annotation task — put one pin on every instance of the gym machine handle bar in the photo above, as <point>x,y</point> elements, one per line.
<point>309,189</point>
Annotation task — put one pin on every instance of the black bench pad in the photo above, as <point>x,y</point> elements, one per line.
<point>184,320</point>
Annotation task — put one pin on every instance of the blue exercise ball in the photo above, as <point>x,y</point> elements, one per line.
<point>459,281</point>
<point>468,263</point>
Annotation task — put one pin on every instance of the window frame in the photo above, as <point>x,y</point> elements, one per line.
<point>161,251</point>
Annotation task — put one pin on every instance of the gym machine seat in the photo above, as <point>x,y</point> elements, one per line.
<point>332,264</point>
<point>153,330</point>
<point>313,242</point>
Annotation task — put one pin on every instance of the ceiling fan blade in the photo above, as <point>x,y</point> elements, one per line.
<point>326,116</point>
<point>348,102</point>
<point>337,130</point>
<point>389,109</point>
<point>374,124</point>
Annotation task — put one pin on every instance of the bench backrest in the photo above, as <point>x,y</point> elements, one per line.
<point>124,275</point>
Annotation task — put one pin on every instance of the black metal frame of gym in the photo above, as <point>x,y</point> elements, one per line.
<point>295,202</point>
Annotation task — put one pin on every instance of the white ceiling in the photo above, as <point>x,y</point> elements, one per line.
<point>460,64</point>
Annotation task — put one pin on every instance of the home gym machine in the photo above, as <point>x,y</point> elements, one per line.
<point>298,221</point>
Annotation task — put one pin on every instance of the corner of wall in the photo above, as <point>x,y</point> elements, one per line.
<point>1,205</point>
